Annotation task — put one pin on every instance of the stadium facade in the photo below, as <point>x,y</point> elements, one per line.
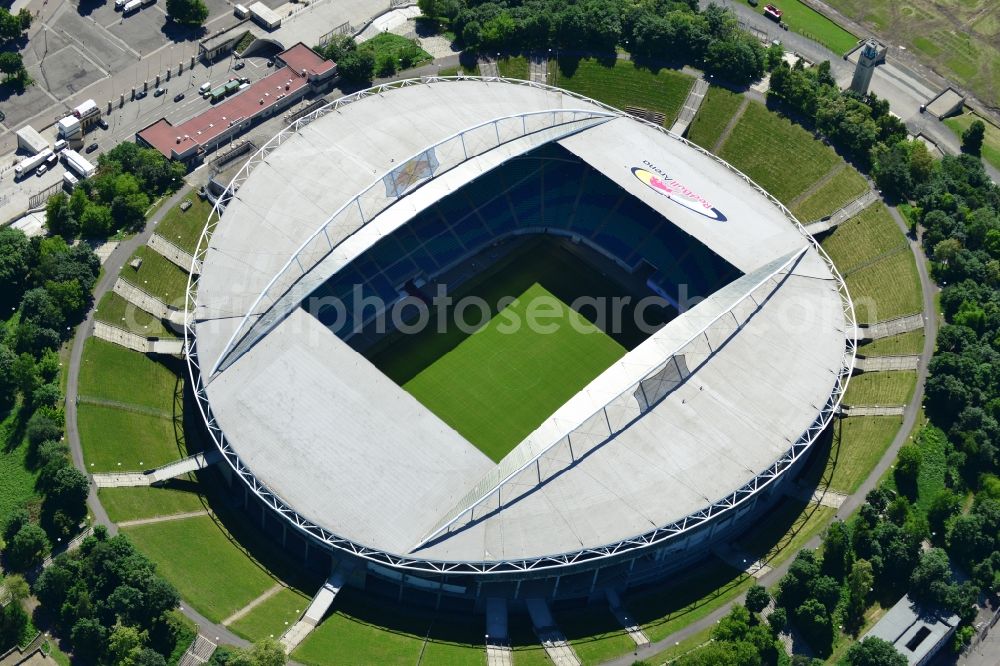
<point>674,449</point>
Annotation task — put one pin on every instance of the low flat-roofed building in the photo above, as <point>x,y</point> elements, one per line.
<point>264,16</point>
<point>29,140</point>
<point>917,633</point>
<point>299,70</point>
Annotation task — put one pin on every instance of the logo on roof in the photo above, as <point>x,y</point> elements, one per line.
<point>677,192</point>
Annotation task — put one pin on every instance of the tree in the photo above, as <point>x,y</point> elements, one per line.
<point>931,579</point>
<point>907,469</point>
<point>28,548</point>
<point>96,221</point>
<point>874,651</point>
<point>15,261</point>
<point>10,64</point>
<point>13,623</point>
<point>815,624</point>
<point>125,642</point>
<point>972,138</point>
<point>859,586</point>
<point>357,66</point>
<point>757,599</point>
<point>267,652</point>
<point>8,379</point>
<point>88,637</point>
<point>837,552</point>
<point>778,619</point>
<point>187,12</point>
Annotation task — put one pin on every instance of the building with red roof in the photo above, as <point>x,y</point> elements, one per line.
<point>298,71</point>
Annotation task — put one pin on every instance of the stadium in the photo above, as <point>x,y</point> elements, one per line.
<point>599,449</point>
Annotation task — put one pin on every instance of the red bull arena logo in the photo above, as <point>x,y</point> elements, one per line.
<point>677,192</point>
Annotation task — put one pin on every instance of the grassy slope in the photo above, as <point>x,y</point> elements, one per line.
<point>111,372</point>
<point>497,386</point>
<point>210,573</point>
<point>862,440</point>
<point>115,310</point>
<point>118,439</point>
<point>183,228</point>
<point>624,84</point>
<point>360,631</point>
<point>895,345</point>
<point>138,503</point>
<point>991,144</point>
<point>272,617</point>
<point>157,276</point>
<point>515,67</point>
<point>838,191</point>
<point>777,154</point>
<point>887,289</point>
<point>716,111</point>
<point>881,388</point>
<point>863,238</point>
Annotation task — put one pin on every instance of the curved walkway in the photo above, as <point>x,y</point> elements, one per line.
<point>115,262</point>
<point>856,499</point>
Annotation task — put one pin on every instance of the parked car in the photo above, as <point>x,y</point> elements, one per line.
<point>159,91</point>
<point>239,65</point>
<point>270,63</point>
<point>140,94</point>
<point>103,123</point>
<point>42,169</point>
<point>178,97</point>
<point>91,148</point>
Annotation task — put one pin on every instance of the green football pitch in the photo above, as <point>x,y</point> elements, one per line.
<point>501,382</point>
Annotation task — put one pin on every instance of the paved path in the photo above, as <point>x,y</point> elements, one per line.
<point>164,519</point>
<point>852,502</point>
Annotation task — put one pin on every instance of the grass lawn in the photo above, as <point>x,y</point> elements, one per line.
<point>808,22</point>
<point>179,496</point>
<point>846,186</point>
<point>183,228</point>
<point>991,144</point>
<point>863,440</point>
<point>786,529</point>
<point>211,572</point>
<point>623,84</point>
<point>396,47</point>
<point>115,310</point>
<point>110,372</point>
<point>690,644</point>
<point>863,238</point>
<point>666,609</point>
<point>17,482</point>
<point>453,71</point>
<point>527,650</point>
<point>717,109</point>
<point>157,276</point>
<point>777,154</point>
<point>498,385</point>
<point>362,631</point>
<point>594,633</point>
<point>888,288</point>
<point>515,67</point>
<point>272,617</point>
<point>895,345</point>
<point>110,436</point>
<point>933,465</point>
<point>881,388</point>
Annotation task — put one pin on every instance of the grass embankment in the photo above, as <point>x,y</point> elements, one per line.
<point>157,276</point>
<point>777,154</point>
<point>881,388</point>
<point>895,345</point>
<point>116,311</point>
<point>843,188</point>
<point>717,109</point>
<point>620,83</point>
<point>183,228</point>
<point>991,142</point>
<point>129,411</point>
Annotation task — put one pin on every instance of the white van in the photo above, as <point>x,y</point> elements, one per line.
<point>205,87</point>
<point>119,4</point>
<point>59,145</point>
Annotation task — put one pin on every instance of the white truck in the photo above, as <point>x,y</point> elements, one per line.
<point>29,164</point>
<point>131,7</point>
<point>78,163</point>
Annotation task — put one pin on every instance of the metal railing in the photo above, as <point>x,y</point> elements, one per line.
<point>285,290</point>
<point>553,561</point>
